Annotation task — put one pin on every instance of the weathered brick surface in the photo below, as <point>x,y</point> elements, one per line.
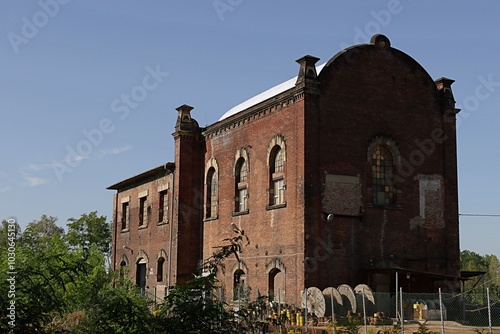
<point>149,241</point>
<point>368,93</point>
<point>275,233</point>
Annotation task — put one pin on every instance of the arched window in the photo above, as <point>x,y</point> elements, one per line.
<point>211,191</point>
<point>239,286</point>
<point>123,268</point>
<point>276,158</point>
<point>276,176</point>
<point>140,274</point>
<point>272,284</point>
<point>241,186</point>
<point>275,271</point>
<point>159,269</point>
<point>382,176</point>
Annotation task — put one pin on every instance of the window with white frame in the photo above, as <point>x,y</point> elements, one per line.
<point>241,186</point>
<point>163,207</point>
<point>125,216</point>
<point>143,211</point>
<point>276,176</point>
<point>211,191</point>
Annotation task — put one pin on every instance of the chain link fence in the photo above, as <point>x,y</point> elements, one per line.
<point>475,311</point>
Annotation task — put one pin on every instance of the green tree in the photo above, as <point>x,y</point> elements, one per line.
<point>54,281</point>
<point>471,261</point>
<point>39,233</point>
<point>493,275</point>
<point>8,230</point>
<point>117,307</point>
<point>43,276</point>
<point>89,229</point>
<point>490,265</point>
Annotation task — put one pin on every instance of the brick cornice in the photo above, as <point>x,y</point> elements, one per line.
<point>260,110</point>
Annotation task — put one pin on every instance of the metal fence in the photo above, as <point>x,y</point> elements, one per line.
<point>470,312</point>
<point>476,311</point>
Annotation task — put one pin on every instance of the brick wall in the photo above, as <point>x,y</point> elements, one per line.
<point>149,241</point>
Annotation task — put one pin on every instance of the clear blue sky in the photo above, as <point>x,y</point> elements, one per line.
<point>67,67</point>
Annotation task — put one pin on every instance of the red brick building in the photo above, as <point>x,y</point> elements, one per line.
<point>345,174</point>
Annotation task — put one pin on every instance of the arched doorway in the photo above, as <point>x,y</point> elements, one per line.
<point>276,280</point>
<point>140,275</point>
<point>273,284</point>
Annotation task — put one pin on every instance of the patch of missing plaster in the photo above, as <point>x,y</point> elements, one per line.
<point>342,195</point>
<point>431,202</point>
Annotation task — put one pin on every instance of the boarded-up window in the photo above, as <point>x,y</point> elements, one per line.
<point>431,202</point>
<point>342,195</point>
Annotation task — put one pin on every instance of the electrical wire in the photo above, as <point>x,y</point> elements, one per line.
<point>479,215</point>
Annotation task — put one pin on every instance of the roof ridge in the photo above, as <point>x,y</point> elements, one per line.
<point>265,95</point>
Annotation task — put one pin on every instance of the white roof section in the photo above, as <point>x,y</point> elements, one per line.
<point>276,90</point>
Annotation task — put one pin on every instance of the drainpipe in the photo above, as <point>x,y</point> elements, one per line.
<point>172,201</point>
<point>115,230</point>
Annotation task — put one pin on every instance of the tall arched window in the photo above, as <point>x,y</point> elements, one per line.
<point>239,286</point>
<point>241,186</point>
<point>275,271</point>
<point>272,283</point>
<point>276,176</point>
<point>382,171</point>
<point>140,274</point>
<point>211,191</point>
<point>123,268</point>
<point>159,269</point>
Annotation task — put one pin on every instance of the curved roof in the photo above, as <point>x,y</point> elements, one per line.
<point>271,92</point>
<point>377,41</point>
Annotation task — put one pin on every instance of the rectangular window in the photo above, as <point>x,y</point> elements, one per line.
<point>163,207</point>
<point>213,198</point>
<point>125,216</point>
<point>242,200</point>
<point>143,211</point>
<point>278,162</point>
<point>278,192</point>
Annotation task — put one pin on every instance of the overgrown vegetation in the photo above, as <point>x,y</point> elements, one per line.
<point>423,329</point>
<point>348,326</point>
<point>391,330</point>
<point>63,285</point>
